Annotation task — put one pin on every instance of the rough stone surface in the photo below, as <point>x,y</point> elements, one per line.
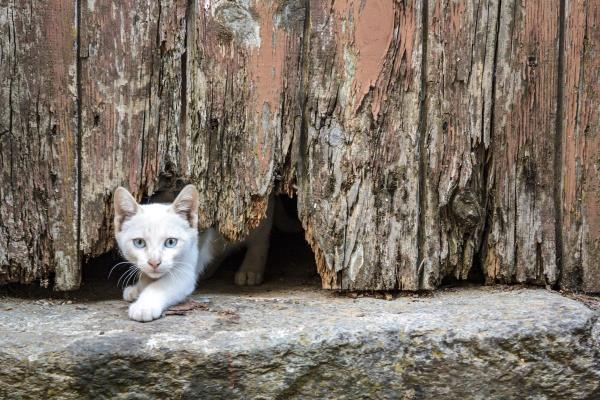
<point>303,343</point>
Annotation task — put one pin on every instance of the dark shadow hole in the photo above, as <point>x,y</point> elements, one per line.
<point>95,283</point>
<point>474,278</point>
<point>290,262</point>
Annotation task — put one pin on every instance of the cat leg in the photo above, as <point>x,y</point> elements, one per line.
<point>160,294</point>
<point>132,292</point>
<point>251,272</point>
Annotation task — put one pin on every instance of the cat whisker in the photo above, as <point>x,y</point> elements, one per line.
<point>115,266</point>
<point>126,280</point>
<point>173,273</point>
<point>176,275</point>
<point>133,276</point>
<point>178,265</point>
<point>126,274</point>
<point>183,271</point>
<point>181,263</point>
<point>122,277</point>
<point>179,274</point>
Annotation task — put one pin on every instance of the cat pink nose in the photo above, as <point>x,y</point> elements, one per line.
<point>153,263</point>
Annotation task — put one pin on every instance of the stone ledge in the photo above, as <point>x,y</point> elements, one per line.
<point>480,343</point>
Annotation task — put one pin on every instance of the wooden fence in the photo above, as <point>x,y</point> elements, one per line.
<point>423,138</point>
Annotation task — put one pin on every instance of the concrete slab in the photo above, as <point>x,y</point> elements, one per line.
<point>295,341</point>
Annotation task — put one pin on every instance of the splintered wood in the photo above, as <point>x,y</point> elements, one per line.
<point>424,139</point>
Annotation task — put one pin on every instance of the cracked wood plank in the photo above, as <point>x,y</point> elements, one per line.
<point>413,161</point>
<point>521,244</point>
<point>461,45</point>
<point>38,143</point>
<point>243,77</point>
<point>581,148</point>
<point>132,61</point>
<point>358,174</point>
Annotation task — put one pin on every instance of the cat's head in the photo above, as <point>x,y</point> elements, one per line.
<point>156,237</point>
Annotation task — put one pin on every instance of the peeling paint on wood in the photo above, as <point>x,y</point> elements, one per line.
<point>357,194</point>
<point>131,87</point>
<point>242,84</point>
<point>421,136</point>
<point>363,32</point>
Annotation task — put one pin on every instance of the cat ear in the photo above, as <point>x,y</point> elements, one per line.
<point>186,205</point>
<point>125,207</point>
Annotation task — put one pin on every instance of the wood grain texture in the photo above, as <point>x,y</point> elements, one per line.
<point>420,136</point>
<point>131,87</point>
<point>581,148</point>
<point>358,179</point>
<point>38,143</point>
<point>521,245</point>
<point>242,80</point>
<point>461,48</point>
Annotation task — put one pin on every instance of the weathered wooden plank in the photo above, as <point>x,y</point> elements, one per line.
<point>38,143</point>
<point>581,147</point>
<point>358,179</point>
<point>132,61</point>
<point>398,157</point>
<point>460,66</point>
<point>243,83</point>
<point>521,245</point>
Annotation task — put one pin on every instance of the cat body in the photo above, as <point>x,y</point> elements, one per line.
<point>163,243</point>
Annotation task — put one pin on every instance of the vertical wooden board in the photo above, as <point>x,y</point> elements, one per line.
<point>521,244</point>
<point>242,80</point>
<point>358,158</point>
<point>166,134</point>
<point>581,147</point>
<point>38,143</point>
<point>131,73</point>
<point>460,65</point>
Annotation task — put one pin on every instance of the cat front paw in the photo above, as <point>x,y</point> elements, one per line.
<point>131,293</point>
<point>145,311</point>
<point>248,278</point>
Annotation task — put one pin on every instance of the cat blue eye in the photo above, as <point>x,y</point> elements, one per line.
<point>139,243</point>
<point>171,242</point>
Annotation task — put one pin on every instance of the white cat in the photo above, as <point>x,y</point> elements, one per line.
<point>162,241</point>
